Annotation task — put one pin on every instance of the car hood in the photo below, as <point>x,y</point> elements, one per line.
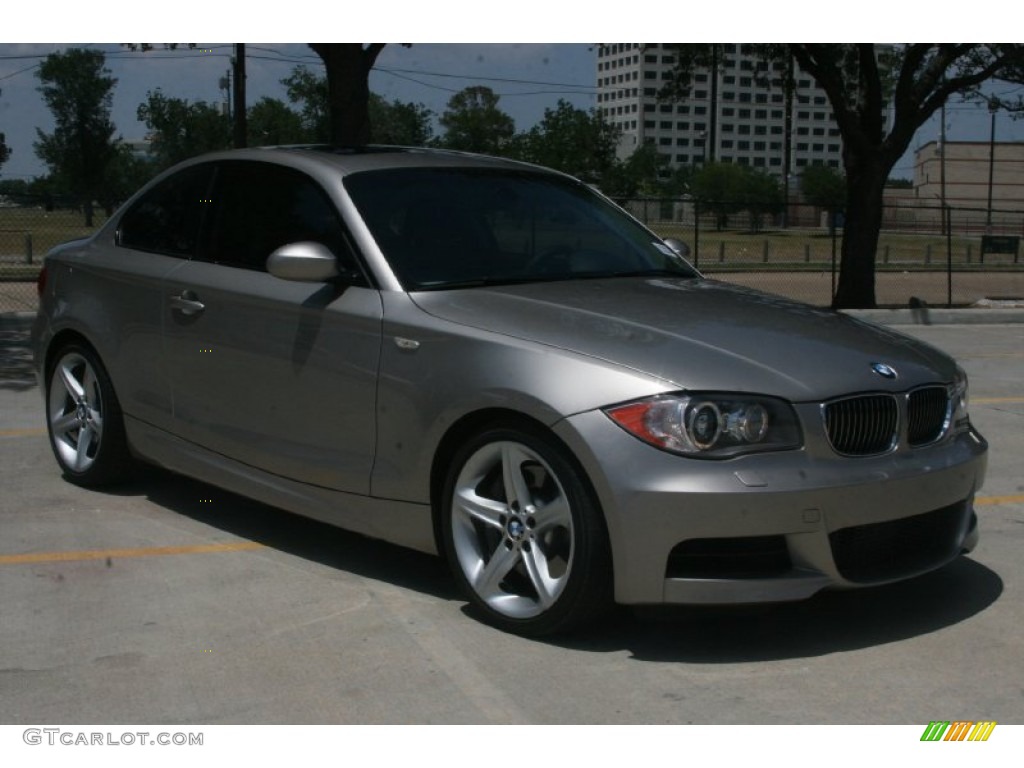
<point>699,335</point>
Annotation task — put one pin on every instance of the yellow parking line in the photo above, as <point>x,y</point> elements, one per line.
<point>103,554</point>
<point>21,432</point>
<point>991,400</point>
<point>988,500</point>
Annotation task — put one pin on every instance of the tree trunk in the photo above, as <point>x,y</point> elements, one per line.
<point>348,68</point>
<point>865,183</point>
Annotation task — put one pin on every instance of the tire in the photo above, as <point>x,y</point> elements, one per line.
<point>84,420</point>
<point>524,535</point>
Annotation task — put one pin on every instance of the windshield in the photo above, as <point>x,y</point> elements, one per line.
<point>456,227</point>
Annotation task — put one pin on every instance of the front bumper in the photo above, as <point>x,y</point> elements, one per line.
<point>775,526</point>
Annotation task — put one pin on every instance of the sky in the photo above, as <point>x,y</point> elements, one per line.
<point>528,76</point>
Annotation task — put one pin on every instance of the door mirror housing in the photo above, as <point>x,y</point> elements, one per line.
<point>304,262</point>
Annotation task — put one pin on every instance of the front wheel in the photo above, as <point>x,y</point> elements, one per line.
<point>524,535</point>
<point>84,419</point>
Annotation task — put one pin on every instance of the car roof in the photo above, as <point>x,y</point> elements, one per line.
<point>347,160</point>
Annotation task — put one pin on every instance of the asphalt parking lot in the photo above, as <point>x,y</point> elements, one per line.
<point>170,601</point>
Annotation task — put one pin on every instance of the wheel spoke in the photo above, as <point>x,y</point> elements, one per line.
<point>84,442</point>
<point>537,568</point>
<point>488,578</point>
<point>555,514</point>
<point>64,423</point>
<point>479,508</point>
<point>90,389</point>
<point>512,460</point>
<point>71,384</point>
<point>96,421</point>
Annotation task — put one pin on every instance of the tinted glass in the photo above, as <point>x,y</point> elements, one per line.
<point>167,218</point>
<point>443,228</point>
<point>259,207</point>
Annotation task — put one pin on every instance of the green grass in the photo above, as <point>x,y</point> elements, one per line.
<point>46,229</point>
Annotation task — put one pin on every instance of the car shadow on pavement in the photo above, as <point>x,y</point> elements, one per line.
<point>280,530</point>
<point>829,622</point>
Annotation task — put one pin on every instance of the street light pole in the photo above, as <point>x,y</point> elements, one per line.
<point>992,108</point>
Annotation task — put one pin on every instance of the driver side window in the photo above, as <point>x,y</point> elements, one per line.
<point>259,207</point>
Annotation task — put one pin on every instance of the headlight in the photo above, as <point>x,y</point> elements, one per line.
<point>958,397</point>
<point>713,426</point>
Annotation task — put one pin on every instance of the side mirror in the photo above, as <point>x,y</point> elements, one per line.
<point>305,262</point>
<point>678,246</point>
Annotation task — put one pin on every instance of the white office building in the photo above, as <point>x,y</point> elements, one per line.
<point>737,115</point>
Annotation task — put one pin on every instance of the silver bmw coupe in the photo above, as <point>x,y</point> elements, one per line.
<point>490,361</point>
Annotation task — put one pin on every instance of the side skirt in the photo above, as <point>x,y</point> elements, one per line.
<point>398,522</point>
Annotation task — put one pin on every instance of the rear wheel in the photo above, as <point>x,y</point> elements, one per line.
<point>84,419</point>
<point>523,533</point>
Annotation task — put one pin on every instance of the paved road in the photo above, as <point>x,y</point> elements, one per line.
<point>169,601</point>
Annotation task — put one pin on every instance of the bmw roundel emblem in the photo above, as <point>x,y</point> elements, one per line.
<point>883,370</point>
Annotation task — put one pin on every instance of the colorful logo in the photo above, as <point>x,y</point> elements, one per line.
<point>958,730</point>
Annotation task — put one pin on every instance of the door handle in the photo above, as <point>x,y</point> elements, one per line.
<point>187,303</point>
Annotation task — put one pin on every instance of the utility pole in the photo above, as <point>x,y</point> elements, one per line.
<point>942,171</point>
<point>240,129</point>
<point>992,108</point>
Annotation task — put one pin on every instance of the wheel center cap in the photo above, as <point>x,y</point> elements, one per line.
<point>82,412</point>
<point>515,529</point>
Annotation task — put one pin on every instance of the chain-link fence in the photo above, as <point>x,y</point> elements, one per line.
<point>29,227</point>
<point>940,255</point>
<point>943,256</point>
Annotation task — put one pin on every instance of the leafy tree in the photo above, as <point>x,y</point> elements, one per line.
<point>391,122</point>
<point>181,129</point>
<point>5,151</point>
<point>473,122</point>
<point>271,122</point>
<point>77,88</point>
<point>401,123</point>
<point>125,174</point>
<point>571,140</point>
<point>859,79</point>
<point>637,175</point>
<point>760,195</point>
<point>824,187</point>
<point>308,91</point>
<point>719,188</point>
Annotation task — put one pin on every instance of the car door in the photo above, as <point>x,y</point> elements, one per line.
<point>276,374</point>
<point>157,234</point>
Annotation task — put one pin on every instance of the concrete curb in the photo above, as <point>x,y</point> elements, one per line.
<point>938,316</point>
